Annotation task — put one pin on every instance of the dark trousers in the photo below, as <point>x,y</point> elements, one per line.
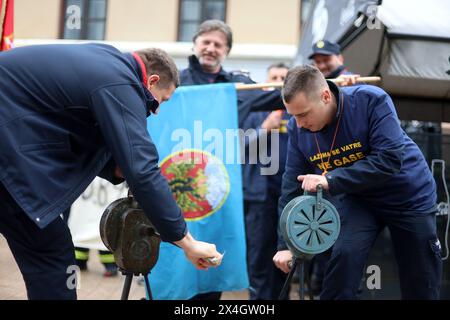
<point>261,223</point>
<point>207,296</point>
<point>45,256</point>
<point>317,270</point>
<point>416,248</point>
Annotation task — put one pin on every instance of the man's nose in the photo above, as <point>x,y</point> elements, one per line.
<point>321,66</point>
<point>210,47</point>
<point>299,122</point>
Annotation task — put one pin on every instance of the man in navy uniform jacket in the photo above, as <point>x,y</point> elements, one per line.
<point>67,114</point>
<point>327,57</point>
<point>350,141</point>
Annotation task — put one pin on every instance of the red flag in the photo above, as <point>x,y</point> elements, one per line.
<point>2,17</point>
<point>6,24</point>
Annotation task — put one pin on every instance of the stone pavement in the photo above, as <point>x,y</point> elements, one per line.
<point>93,286</point>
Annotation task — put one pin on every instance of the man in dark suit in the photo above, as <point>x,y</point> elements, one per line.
<point>70,113</point>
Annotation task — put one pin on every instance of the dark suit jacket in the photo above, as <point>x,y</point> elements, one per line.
<point>67,113</point>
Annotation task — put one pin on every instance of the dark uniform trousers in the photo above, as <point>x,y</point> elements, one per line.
<point>44,256</point>
<point>415,243</point>
<point>261,221</point>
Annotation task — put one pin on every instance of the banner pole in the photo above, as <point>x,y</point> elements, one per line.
<point>256,86</point>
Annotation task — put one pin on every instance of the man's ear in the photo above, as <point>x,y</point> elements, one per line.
<point>326,95</point>
<point>341,58</point>
<point>152,80</point>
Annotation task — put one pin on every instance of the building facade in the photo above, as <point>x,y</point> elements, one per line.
<point>264,31</point>
<point>253,21</point>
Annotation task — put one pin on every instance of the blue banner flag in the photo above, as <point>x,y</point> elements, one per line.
<point>196,136</point>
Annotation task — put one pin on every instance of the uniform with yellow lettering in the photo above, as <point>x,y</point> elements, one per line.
<point>350,141</point>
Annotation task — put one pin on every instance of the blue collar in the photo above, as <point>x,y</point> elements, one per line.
<point>337,72</point>
<point>338,95</point>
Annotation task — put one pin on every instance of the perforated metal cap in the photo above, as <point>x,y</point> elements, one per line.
<point>310,225</point>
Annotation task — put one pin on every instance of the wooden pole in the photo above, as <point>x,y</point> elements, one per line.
<point>255,86</point>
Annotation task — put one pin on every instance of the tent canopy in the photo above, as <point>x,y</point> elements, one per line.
<point>406,42</point>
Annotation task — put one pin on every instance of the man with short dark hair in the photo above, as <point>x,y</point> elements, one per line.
<point>157,61</point>
<point>350,141</point>
<point>70,113</point>
<point>327,57</point>
<point>276,72</point>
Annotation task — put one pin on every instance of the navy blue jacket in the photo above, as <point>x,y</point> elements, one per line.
<point>259,187</point>
<point>248,100</point>
<point>255,185</point>
<point>68,112</point>
<point>372,158</point>
<point>276,180</point>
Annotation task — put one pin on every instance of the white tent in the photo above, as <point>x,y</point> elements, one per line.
<point>406,42</point>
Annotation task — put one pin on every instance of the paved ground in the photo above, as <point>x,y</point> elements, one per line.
<point>93,285</point>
